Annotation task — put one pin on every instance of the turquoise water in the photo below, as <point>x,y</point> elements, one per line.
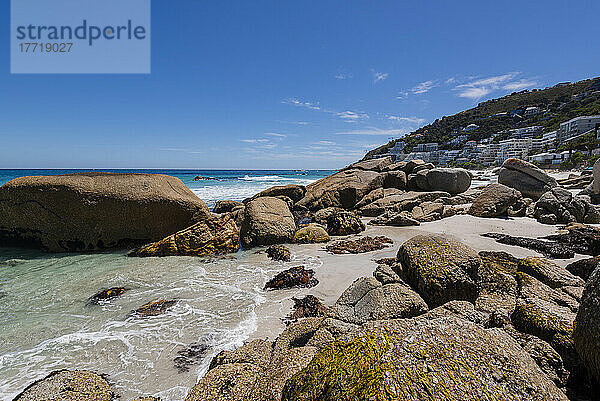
<point>47,324</point>
<point>230,184</point>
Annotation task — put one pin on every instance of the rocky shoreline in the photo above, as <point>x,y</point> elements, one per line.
<point>439,320</point>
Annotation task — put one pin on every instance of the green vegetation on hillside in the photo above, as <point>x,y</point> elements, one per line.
<point>557,101</point>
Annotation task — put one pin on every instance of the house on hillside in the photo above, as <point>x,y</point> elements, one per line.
<point>532,111</point>
<point>471,127</point>
<point>577,126</point>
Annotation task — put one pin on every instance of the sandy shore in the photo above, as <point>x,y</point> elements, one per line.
<point>337,272</point>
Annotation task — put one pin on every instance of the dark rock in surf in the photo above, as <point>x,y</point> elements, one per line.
<point>106,295</point>
<point>154,308</point>
<point>295,277</point>
<point>309,306</point>
<point>279,252</point>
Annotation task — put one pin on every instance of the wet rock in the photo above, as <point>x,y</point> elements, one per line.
<point>440,268</point>
<point>587,327</point>
<point>293,277</point>
<point>190,356</point>
<point>526,178</point>
<point>495,200</point>
<point>397,219</point>
<point>226,206</point>
<point>361,245</point>
<point>292,191</point>
<point>202,178</point>
<point>584,267</point>
<point>238,215</point>
<point>343,189</point>
<point>267,221</point>
<point>68,385</point>
<point>95,211</point>
<point>309,306</point>
<point>367,299</point>
<point>411,359</point>
<point>321,216</point>
<point>344,223</point>
<point>215,235</point>
<point>547,248</point>
<point>106,295</point>
<point>154,308</point>
<point>279,252</point>
<point>452,180</point>
<point>580,238</point>
<point>313,233</point>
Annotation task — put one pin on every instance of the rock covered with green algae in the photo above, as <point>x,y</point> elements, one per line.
<point>420,359</point>
<point>68,385</point>
<point>587,326</point>
<point>440,268</point>
<point>213,236</point>
<point>313,233</point>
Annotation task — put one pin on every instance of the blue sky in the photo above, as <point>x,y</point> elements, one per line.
<point>290,84</point>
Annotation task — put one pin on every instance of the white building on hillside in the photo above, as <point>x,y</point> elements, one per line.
<point>532,111</point>
<point>513,148</point>
<point>577,126</point>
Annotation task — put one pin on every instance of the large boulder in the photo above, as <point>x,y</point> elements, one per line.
<point>587,326</point>
<point>214,235</point>
<point>267,221</point>
<point>440,268</point>
<point>375,195</point>
<point>422,359</point>
<point>68,385</point>
<point>368,299</point>
<point>343,189</point>
<point>452,180</point>
<point>95,211</point>
<point>526,178</point>
<point>292,191</point>
<point>378,165</point>
<point>395,179</point>
<point>495,200</point>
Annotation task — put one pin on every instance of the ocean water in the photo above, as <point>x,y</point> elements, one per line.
<point>228,184</point>
<point>47,324</point>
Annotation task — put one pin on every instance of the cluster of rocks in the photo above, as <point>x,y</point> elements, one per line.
<point>439,319</point>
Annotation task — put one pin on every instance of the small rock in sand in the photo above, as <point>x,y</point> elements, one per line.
<point>296,276</point>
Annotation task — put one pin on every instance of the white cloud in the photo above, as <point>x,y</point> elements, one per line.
<point>450,81</point>
<point>374,131</point>
<point>379,76</point>
<point>324,143</point>
<point>342,75</point>
<point>255,140</point>
<point>297,102</point>
<point>402,95</point>
<point>522,84</point>
<point>352,116</point>
<point>483,86</point>
<point>412,120</point>
<point>276,134</point>
<point>424,87</point>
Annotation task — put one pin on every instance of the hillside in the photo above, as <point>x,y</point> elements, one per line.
<point>558,101</point>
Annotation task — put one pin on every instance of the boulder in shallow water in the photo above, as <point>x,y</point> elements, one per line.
<point>154,308</point>
<point>440,268</point>
<point>279,252</point>
<point>106,295</point>
<point>295,277</point>
<point>267,221</point>
<point>95,211</point>
<point>309,306</point>
<point>526,178</point>
<point>215,235</point>
<point>68,385</point>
